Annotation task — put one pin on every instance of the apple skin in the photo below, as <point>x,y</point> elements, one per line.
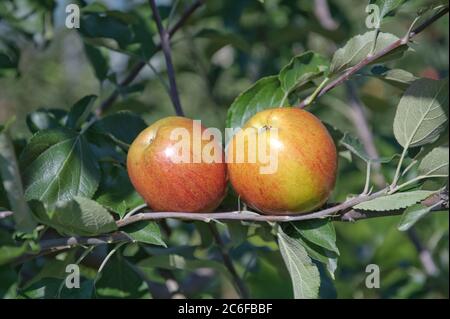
<point>169,186</point>
<point>307,163</point>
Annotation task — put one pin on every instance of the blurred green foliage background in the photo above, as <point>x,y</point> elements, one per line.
<point>223,49</point>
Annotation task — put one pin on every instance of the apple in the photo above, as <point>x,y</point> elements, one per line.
<point>306,162</point>
<point>167,184</point>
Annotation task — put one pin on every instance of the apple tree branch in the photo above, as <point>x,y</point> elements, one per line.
<point>373,57</point>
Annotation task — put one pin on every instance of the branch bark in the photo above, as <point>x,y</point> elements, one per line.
<point>339,212</point>
<point>346,214</point>
<point>251,216</point>
<point>165,45</point>
<point>371,58</point>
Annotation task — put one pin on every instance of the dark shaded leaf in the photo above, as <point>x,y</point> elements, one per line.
<point>80,111</point>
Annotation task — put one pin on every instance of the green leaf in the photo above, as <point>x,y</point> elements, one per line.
<point>119,280</point>
<point>57,165</point>
<point>318,237</point>
<point>115,30</point>
<point>387,7</point>
<point>106,149</point>
<point>76,217</point>
<point>98,61</point>
<point>265,93</point>
<point>115,191</point>
<point>422,113</point>
<point>360,46</point>
<point>96,25</point>
<point>412,215</point>
<point>45,119</point>
<point>396,77</point>
<point>9,58</point>
<point>302,69</point>
<point>10,253</point>
<point>123,126</point>
<point>80,111</point>
<point>355,146</point>
<point>145,232</point>
<point>142,47</point>
<point>395,201</point>
<point>238,232</point>
<point>94,7</point>
<point>10,249</point>
<point>320,232</point>
<point>442,140</point>
<point>220,38</point>
<point>435,162</point>
<point>49,288</point>
<point>9,280</point>
<point>304,274</point>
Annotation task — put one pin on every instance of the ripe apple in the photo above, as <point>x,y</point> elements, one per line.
<point>307,162</point>
<point>168,185</point>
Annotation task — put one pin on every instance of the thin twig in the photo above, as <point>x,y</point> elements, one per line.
<point>165,45</point>
<point>424,253</point>
<point>371,58</point>
<point>228,262</point>
<point>55,245</point>
<point>136,69</point>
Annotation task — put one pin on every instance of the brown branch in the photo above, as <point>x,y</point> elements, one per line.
<point>371,58</point>
<point>228,262</point>
<point>165,45</point>
<point>136,69</point>
<point>49,246</point>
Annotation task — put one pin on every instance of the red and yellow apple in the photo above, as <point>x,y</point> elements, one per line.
<point>306,162</point>
<point>167,184</point>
